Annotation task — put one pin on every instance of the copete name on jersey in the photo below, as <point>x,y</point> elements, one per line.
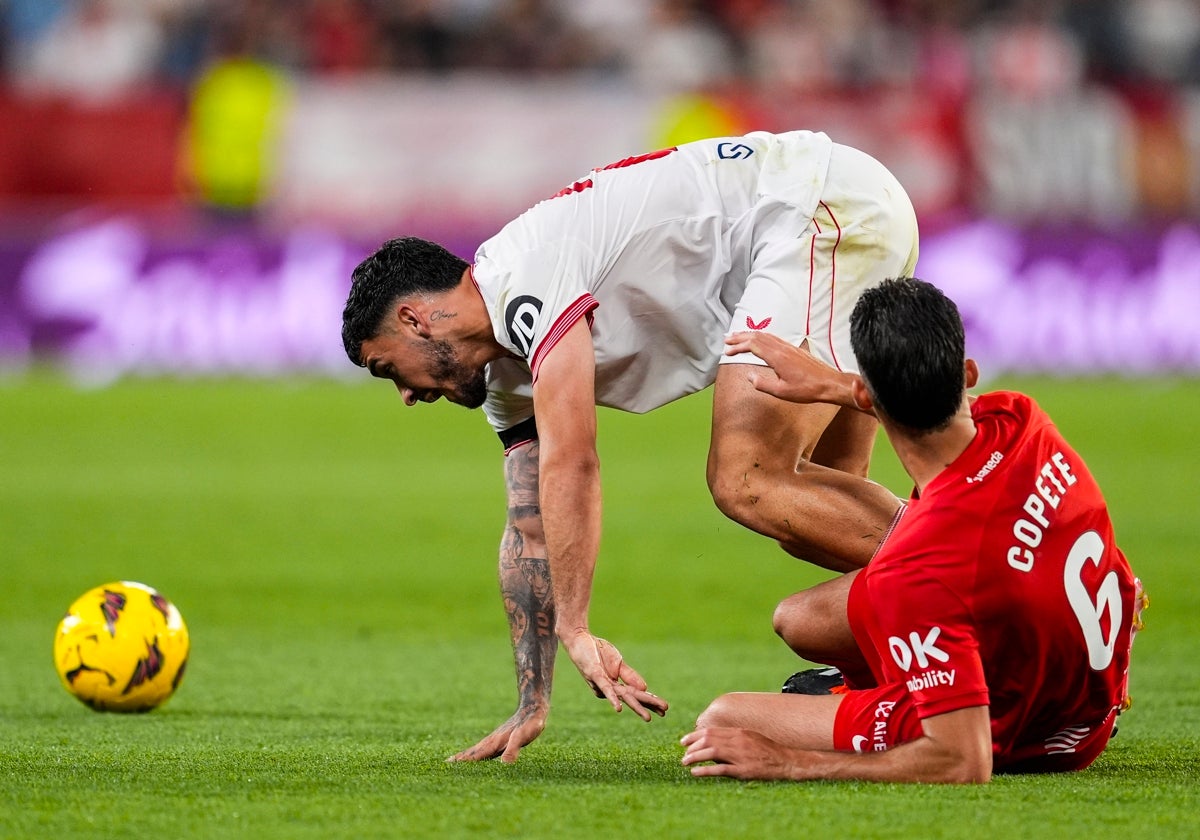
<point>1050,487</point>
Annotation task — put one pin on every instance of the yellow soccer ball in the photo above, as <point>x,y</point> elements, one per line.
<point>121,647</point>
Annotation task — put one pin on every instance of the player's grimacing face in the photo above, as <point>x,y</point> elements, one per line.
<point>425,371</point>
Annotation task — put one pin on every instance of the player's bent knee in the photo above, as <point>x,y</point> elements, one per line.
<point>804,625</point>
<point>737,485</point>
<point>781,620</point>
<point>729,492</point>
<point>725,496</point>
<point>792,618</point>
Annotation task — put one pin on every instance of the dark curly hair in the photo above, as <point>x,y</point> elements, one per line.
<point>400,268</point>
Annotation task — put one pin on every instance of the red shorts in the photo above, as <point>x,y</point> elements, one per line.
<point>875,719</point>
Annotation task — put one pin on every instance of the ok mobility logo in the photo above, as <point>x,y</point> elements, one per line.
<point>919,651</point>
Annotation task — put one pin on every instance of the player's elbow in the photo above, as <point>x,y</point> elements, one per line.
<point>957,747</point>
<point>968,771</point>
<point>569,463</point>
<point>962,767</point>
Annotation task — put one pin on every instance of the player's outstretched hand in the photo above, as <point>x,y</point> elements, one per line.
<point>611,677</point>
<point>506,740</point>
<point>795,374</point>
<point>738,753</point>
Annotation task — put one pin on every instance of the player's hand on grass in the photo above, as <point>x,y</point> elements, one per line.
<point>610,676</point>
<point>507,739</point>
<point>795,374</point>
<point>738,753</point>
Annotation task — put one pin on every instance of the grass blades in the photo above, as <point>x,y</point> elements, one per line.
<point>334,556</point>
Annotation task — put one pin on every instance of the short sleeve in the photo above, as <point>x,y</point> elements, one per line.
<point>544,293</point>
<point>926,639</point>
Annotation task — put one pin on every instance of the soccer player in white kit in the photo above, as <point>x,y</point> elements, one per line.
<point>620,291</point>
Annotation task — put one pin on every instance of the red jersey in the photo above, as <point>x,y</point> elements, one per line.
<point>1001,585</point>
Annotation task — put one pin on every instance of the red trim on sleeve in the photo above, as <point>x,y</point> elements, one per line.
<point>582,306</point>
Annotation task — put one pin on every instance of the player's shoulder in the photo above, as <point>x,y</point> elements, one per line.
<point>1010,429</point>
<point>1016,406</point>
<point>789,147</point>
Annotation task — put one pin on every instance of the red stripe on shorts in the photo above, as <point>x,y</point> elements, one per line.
<point>812,270</point>
<point>833,283</point>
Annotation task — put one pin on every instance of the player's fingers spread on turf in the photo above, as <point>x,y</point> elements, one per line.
<point>486,749</point>
<point>693,742</point>
<point>482,751</point>
<point>512,750</point>
<point>465,755</point>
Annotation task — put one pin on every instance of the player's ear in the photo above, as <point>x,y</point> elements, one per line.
<point>861,396</point>
<point>411,319</point>
<point>971,369</point>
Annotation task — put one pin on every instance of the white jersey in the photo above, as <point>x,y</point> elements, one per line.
<point>656,252</point>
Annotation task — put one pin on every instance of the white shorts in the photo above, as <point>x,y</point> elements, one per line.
<point>807,274</point>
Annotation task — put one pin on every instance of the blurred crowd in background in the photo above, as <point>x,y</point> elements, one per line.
<point>221,100</point>
<point>103,48</point>
<point>185,185</point>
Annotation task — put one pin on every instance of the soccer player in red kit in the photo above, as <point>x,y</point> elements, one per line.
<point>992,629</point>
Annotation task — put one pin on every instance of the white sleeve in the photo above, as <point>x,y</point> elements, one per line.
<point>547,290</point>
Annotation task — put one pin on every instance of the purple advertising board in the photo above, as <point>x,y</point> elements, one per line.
<point>109,298</point>
<point>1073,301</point>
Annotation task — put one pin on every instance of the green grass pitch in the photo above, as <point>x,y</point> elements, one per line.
<point>334,555</point>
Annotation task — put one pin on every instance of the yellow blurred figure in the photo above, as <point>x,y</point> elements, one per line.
<point>695,116</point>
<point>234,121</point>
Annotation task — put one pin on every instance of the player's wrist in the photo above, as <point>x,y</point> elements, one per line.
<point>569,630</point>
<point>534,708</point>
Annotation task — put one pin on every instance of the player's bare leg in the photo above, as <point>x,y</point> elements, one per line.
<point>762,473</point>
<point>847,442</point>
<point>814,624</point>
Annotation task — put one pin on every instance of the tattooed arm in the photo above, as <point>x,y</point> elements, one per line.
<point>564,399</point>
<point>529,604</point>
